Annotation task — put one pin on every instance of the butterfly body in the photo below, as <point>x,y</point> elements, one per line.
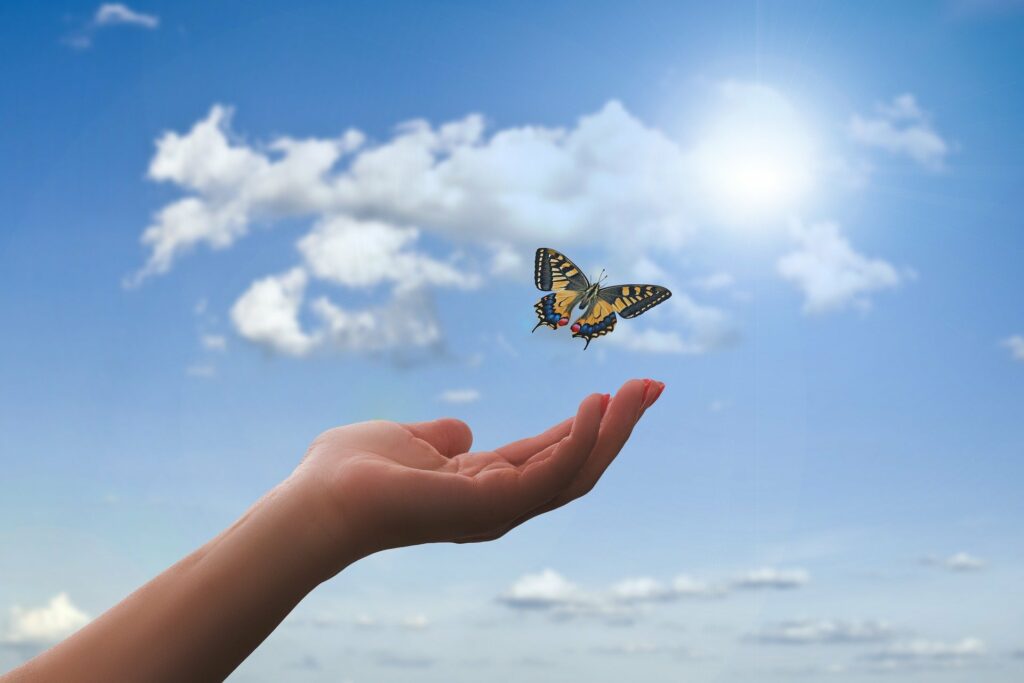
<point>571,289</point>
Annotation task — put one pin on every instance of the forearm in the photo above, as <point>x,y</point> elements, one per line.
<point>200,618</point>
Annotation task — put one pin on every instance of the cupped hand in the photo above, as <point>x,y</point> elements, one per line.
<point>380,484</point>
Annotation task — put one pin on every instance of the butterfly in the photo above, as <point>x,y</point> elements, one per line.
<point>570,288</point>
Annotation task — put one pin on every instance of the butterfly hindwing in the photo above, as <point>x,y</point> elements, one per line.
<point>629,301</point>
<point>598,321</point>
<point>553,309</point>
<point>553,272</point>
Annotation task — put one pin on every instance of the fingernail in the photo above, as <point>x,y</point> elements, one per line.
<point>657,392</point>
<point>647,387</point>
<point>604,403</point>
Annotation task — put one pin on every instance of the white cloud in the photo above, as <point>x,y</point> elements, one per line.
<point>107,15</point>
<point>359,253</point>
<point>518,186</point>
<point>958,562</point>
<point>902,127</point>
<point>809,631</point>
<point>460,396</point>
<point>641,589</point>
<point>928,653</point>
<point>113,14</point>
<point>380,210</point>
<point>38,626</point>
<point>544,590</point>
<point>646,589</point>
<point>268,313</point>
<point>214,342</point>
<point>403,325</point>
<point>831,274</point>
<point>772,578</point>
<point>1016,346</point>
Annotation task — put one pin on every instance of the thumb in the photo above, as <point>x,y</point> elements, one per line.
<point>449,436</point>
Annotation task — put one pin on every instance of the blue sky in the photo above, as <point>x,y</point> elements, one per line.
<point>829,486</point>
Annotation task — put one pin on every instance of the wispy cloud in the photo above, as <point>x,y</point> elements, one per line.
<point>772,578</point>
<point>922,653</point>
<point>550,592</point>
<point>831,273</point>
<point>902,127</point>
<point>108,15</point>
<point>958,562</point>
<point>458,396</point>
<point>812,631</point>
<point>1016,346</point>
<point>214,342</point>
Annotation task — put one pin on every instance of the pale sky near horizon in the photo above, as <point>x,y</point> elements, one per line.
<point>229,226</point>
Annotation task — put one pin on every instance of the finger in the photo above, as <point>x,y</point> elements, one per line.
<point>623,412</point>
<point>448,436</point>
<point>506,493</point>
<point>520,451</point>
<point>544,475</point>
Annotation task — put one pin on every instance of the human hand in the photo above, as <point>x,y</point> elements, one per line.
<point>380,484</point>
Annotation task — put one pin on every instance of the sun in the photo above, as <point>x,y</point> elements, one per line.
<point>755,156</point>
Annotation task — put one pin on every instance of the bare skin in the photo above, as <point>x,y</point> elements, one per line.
<point>360,489</point>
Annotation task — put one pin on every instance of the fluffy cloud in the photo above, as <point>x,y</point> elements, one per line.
<point>358,253</point>
<point>810,631</point>
<point>922,653</point>
<point>958,562</point>
<point>459,396</point>
<point>1016,346</point>
<point>902,127</point>
<point>268,313</point>
<point>518,186</point>
<point>771,578</point>
<point>544,590</point>
<point>831,273</point>
<point>381,210</point>
<point>41,626</point>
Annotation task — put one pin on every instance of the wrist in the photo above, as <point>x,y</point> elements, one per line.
<point>324,537</point>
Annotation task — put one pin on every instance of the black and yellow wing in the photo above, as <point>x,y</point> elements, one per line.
<point>553,310</point>
<point>598,321</point>
<point>553,272</point>
<point>629,301</point>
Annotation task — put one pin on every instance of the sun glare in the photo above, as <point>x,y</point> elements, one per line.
<point>756,156</point>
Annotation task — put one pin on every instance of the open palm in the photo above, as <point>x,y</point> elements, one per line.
<point>404,484</point>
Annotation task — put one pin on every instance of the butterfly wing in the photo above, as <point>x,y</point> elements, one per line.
<point>598,321</point>
<point>629,301</point>
<point>553,309</point>
<point>554,272</point>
